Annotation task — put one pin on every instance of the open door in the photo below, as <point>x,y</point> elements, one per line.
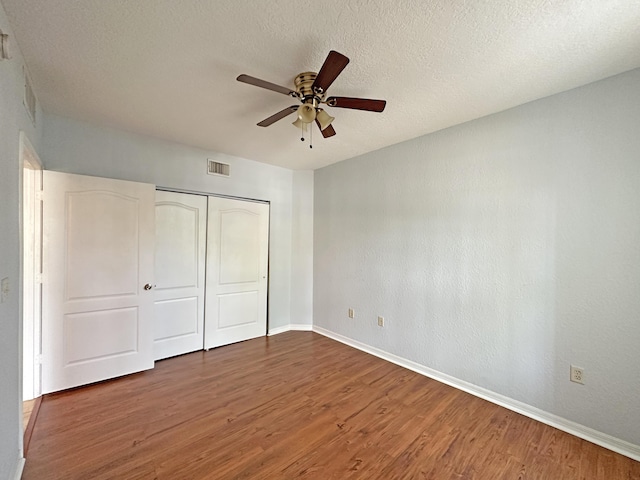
<point>98,264</point>
<point>237,262</point>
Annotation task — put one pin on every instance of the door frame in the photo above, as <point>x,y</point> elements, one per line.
<point>29,282</point>
<point>244,199</point>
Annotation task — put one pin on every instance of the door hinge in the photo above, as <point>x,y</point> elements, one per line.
<point>39,359</point>
<point>38,278</point>
<point>39,194</point>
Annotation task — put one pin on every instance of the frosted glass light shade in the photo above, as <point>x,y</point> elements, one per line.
<point>306,113</point>
<point>300,124</point>
<point>324,119</point>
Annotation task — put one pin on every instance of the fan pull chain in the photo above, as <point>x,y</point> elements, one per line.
<point>302,132</point>
<point>310,137</point>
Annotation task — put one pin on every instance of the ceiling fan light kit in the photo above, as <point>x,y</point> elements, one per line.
<point>306,113</point>
<point>310,90</point>
<point>300,124</point>
<point>324,119</point>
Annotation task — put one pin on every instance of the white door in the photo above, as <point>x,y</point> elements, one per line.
<point>98,269</point>
<point>237,261</point>
<point>181,242</point>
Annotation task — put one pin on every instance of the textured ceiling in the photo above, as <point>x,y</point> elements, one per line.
<point>167,68</point>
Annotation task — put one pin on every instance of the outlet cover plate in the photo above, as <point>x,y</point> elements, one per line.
<point>577,374</point>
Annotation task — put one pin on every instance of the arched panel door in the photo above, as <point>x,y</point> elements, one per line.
<point>98,253</point>
<point>237,260</point>
<point>181,228</point>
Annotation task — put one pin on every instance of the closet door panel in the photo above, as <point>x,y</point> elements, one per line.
<point>181,221</point>
<point>237,262</point>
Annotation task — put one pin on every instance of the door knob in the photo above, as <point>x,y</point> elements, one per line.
<point>148,286</point>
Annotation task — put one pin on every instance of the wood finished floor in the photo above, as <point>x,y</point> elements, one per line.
<point>297,405</point>
<point>27,408</point>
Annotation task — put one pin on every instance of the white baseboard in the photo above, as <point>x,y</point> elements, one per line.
<point>604,440</point>
<point>301,327</point>
<point>19,468</point>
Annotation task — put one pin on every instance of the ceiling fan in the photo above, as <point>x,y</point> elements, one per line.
<point>310,90</point>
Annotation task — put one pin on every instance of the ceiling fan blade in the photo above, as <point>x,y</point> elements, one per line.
<point>331,68</point>
<point>327,132</point>
<point>264,84</point>
<point>278,116</point>
<point>357,103</point>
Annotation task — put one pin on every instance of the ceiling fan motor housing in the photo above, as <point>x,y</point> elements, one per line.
<point>304,87</point>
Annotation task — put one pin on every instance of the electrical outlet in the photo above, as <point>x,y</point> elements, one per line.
<point>351,313</point>
<point>577,374</point>
<point>381,321</point>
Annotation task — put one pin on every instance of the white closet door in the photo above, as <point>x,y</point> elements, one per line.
<point>98,266</point>
<point>237,260</point>
<point>181,228</point>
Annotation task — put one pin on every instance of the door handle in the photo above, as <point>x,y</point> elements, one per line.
<point>148,286</point>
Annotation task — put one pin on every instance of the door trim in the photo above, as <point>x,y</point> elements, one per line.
<point>30,228</point>
<point>211,194</point>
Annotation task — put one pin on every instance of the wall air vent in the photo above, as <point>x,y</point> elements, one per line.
<point>217,168</point>
<point>29,97</point>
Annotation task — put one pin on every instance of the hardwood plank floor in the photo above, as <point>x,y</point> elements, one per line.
<point>30,409</point>
<point>27,408</point>
<point>297,405</point>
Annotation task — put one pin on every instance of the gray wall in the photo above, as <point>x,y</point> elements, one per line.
<point>302,243</point>
<point>499,252</point>
<point>13,119</point>
<point>76,147</point>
